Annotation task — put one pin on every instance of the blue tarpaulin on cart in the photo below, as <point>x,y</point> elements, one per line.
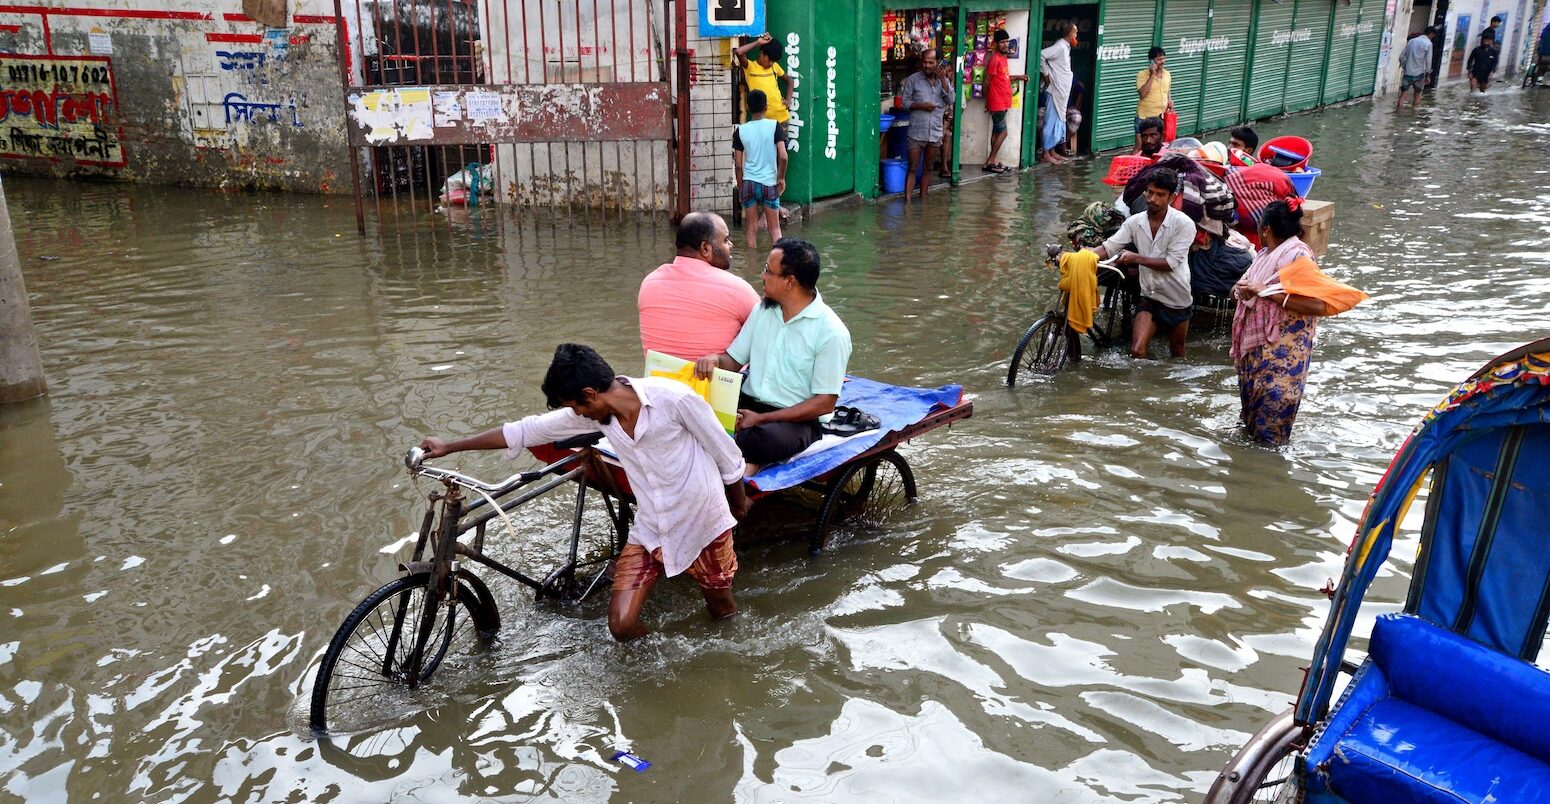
<point>897,406</point>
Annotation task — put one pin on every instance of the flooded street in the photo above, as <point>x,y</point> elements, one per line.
<point>1103,592</point>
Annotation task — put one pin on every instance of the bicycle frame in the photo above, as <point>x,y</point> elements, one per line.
<point>584,468</point>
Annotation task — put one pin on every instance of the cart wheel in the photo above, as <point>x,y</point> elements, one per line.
<point>865,494</point>
<point>368,655</point>
<point>1041,351</point>
<point>1265,769</point>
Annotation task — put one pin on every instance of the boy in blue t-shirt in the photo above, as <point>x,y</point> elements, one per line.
<point>759,152</point>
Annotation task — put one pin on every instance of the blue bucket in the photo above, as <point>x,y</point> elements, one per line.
<point>893,175</point>
<point>884,122</point>
<point>1303,182</point>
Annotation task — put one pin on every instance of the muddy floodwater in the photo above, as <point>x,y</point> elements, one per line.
<point>1103,591</point>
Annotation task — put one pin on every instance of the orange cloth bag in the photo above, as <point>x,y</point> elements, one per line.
<point>1302,277</point>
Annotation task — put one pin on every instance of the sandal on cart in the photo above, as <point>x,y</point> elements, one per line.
<point>848,421</point>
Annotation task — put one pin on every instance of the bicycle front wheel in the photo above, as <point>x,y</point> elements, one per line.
<point>1041,351</point>
<point>370,655</point>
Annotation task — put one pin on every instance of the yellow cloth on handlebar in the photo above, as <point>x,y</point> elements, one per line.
<point>1079,279</point>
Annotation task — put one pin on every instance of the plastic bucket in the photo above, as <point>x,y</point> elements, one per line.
<point>1303,182</point>
<point>884,122</point>
<point>893,175</point>
<point>1287,152</point>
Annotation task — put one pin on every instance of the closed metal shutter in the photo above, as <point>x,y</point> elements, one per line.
<point>1185,23</point>
<point>1369,36</point>
<point>1310,47</point>
<point>1342,46</point>
<point>1127,27</point>
<point>1267,60</point>
<point>1227,63</point>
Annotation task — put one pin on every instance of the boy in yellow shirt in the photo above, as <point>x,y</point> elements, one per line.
<point>765,75</point>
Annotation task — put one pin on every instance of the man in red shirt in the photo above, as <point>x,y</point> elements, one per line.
<point>998,98</point>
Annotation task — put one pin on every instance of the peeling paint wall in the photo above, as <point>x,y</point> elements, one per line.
<point>173,92</point>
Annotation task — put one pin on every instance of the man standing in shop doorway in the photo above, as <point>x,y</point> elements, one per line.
<point>998,98</point>
<point>1155,86</point>
<point>928,94</point>
<point>1055,66</point>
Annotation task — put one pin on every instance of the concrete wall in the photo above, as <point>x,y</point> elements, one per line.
<point>176,92</point>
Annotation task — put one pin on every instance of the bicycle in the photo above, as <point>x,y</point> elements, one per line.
<point>1048,344</point>
<point>398,636</point>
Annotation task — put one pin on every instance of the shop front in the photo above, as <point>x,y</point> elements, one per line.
<point>1084,63</point>
<point>975,123</point>
<point>847,60</point>
<point>907,33</point>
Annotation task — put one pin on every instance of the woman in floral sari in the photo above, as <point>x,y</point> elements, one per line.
<point>1280,299</point>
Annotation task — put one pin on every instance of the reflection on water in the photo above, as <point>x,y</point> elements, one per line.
<point>1104,591</point>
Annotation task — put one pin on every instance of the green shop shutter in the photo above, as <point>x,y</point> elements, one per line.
<point>1342,46</point>
<point>1267,63</point>
<point>1369,36</point>
<point>1310,48</point>
<point>1127,27</point>
<point>1227,62</point>
<point>1185,23</point>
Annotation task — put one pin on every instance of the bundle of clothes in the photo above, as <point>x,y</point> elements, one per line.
<point>1225,209</point>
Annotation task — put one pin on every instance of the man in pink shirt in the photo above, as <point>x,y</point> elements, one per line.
<point>694,305</point>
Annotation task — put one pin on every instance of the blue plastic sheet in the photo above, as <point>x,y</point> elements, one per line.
<point>897,406</point>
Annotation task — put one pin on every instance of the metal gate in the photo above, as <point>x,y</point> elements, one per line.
<point>563,103</point>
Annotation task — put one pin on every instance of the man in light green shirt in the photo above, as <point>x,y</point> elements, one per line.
<point>796,350</point>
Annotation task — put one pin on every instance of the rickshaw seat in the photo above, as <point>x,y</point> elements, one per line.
<point>1434,716</point>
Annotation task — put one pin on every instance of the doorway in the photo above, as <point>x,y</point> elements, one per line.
<point>1084,62</point>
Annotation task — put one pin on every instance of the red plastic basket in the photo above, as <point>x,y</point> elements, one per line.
<point>1123,168</point>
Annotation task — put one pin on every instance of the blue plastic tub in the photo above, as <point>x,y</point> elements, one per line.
<point>1303,182</point>
<point>893,171</point>
<point>884,121</point>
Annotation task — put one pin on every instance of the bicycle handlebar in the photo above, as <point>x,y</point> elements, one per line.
<point>414,461</point>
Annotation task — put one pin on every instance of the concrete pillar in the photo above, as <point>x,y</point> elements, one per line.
<point>21,370</point>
